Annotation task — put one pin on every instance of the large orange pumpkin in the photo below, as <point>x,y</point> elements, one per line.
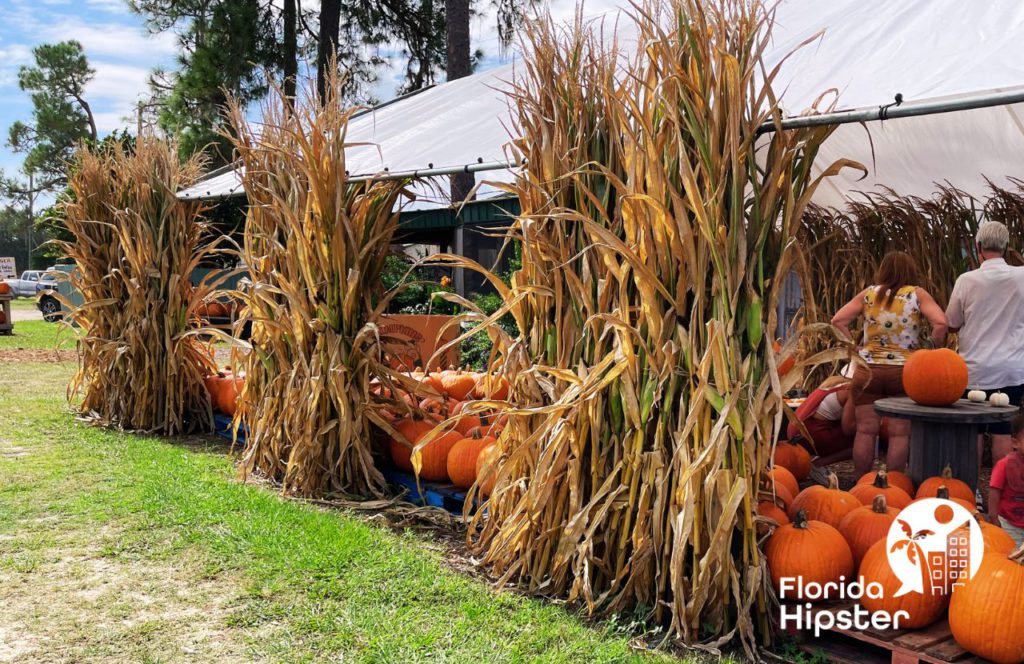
<point>935,377</point>
<point>793,458</point>
<point>466,422</point>
<point>412,429</point>
<point>458,384</point>
<point>896,478</point>
<point>996,539</point>
<point>780,476</point>
<point>924,608</point>
<point>986,614</point>
<point>894,495</point>
<point>807,549</point>
<point>866,525</point>
<point>230,389</point>
<point>957,488</point>
<point>5,288</point>
<point>829,504</point>
<point>462,459</point>
<point>487,467</point>
<point>943,493</point>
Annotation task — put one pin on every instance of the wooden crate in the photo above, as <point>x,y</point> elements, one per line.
<point>933,644</point>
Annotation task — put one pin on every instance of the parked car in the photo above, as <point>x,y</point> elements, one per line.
<point>26,285</point>
<point>57,284</point>
<point>47,280</point>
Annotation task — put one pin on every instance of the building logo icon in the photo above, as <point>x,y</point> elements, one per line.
<point>934,545</point>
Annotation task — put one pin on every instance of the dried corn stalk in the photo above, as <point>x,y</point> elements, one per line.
<point>656,226</point>
<point>315,245</point>
<point>135,247</point>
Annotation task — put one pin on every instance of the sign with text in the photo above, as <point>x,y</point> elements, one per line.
<point>7,268</point>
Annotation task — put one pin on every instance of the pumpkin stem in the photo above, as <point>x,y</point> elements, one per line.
<point>833,481</point>
<point>1018,555</point>
<point>800,521</point>
<point>882,478</point>
<point>947,473</point>
<point>879,506</point>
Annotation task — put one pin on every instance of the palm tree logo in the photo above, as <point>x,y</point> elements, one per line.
<point>914,553</point>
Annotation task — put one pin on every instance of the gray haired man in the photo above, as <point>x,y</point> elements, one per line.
<point>987,307</point>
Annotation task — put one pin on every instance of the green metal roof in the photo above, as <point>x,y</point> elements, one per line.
<point>475,213</point>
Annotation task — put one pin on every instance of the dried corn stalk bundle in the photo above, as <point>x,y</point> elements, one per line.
<point>645,396</point>
<point>315,246</point>
<point>135,247</point>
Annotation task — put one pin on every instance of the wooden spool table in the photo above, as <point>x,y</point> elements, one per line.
<point>941,436</point>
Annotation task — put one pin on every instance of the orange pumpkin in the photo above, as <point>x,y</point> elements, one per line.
<point>491,387</point>
<point>434,456</point>
<point>957,488</point>
<point>896,478</point>
<point>793,458</point>
<point>935,377</point>
<point>458,384</point>
<point>807,549</point>
<point>230,389</point>
<point>923,608</point>
<point>412,429</point>
<point>5,288</point>
<point>943,493</point>
<point>466,422</point>
<point>866,525</point>
<point>894,496</point>
<point>780,476</point>
<point>996,539</point>
<point>212,383</point>
<point>487,468</point>
<point>216,310</point>
<point>829,504</point>
<point>462,459</point>
<point>770,510</point>
<point>986,614</point>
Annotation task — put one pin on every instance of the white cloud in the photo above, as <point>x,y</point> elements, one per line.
<point>111,39</point>
<point>111,6</point>
<point>12,57</point>
<point>116,89</point>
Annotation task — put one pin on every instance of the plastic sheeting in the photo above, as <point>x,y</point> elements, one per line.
<point>870,50</point>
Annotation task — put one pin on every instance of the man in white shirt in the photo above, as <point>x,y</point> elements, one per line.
<point>987,307</point>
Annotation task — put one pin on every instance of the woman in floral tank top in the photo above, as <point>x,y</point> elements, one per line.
<point>894,310</point>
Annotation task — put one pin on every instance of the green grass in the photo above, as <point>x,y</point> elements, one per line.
<point>295,583</point>
<point>37,334</point>
<point>24,304</point>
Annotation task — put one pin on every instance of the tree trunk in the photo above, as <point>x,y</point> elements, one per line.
<point>290,64</point>
<point>458,65</point>
<point>327,49</point>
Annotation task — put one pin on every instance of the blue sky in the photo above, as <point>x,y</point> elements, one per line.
<point>115,42</point>
<point>123,54</point>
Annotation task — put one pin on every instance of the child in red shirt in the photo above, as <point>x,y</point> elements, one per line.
<point>1006,488</point>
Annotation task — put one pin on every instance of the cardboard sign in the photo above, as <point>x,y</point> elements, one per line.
<point>412,339</point>
<point>7,268</point>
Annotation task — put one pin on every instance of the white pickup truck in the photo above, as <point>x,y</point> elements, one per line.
<point>26,285</point>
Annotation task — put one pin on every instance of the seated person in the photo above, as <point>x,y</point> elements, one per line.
<point>830,424</point>
<point>1006,488</point>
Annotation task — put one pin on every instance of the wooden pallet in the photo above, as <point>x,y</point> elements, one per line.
<point>436,494</point>
<point>933,644</point>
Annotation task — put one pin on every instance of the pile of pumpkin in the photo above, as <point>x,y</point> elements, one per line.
<point>457,446</point>
<point>824,534</point>
<point>224,388</point>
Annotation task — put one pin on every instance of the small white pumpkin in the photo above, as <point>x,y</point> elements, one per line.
<point>1000,399</point>
<point>977,396</point>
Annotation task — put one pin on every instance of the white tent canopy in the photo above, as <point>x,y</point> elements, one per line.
<point>926,50</point>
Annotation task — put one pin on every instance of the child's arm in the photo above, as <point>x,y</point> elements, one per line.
<point>994,495</point>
